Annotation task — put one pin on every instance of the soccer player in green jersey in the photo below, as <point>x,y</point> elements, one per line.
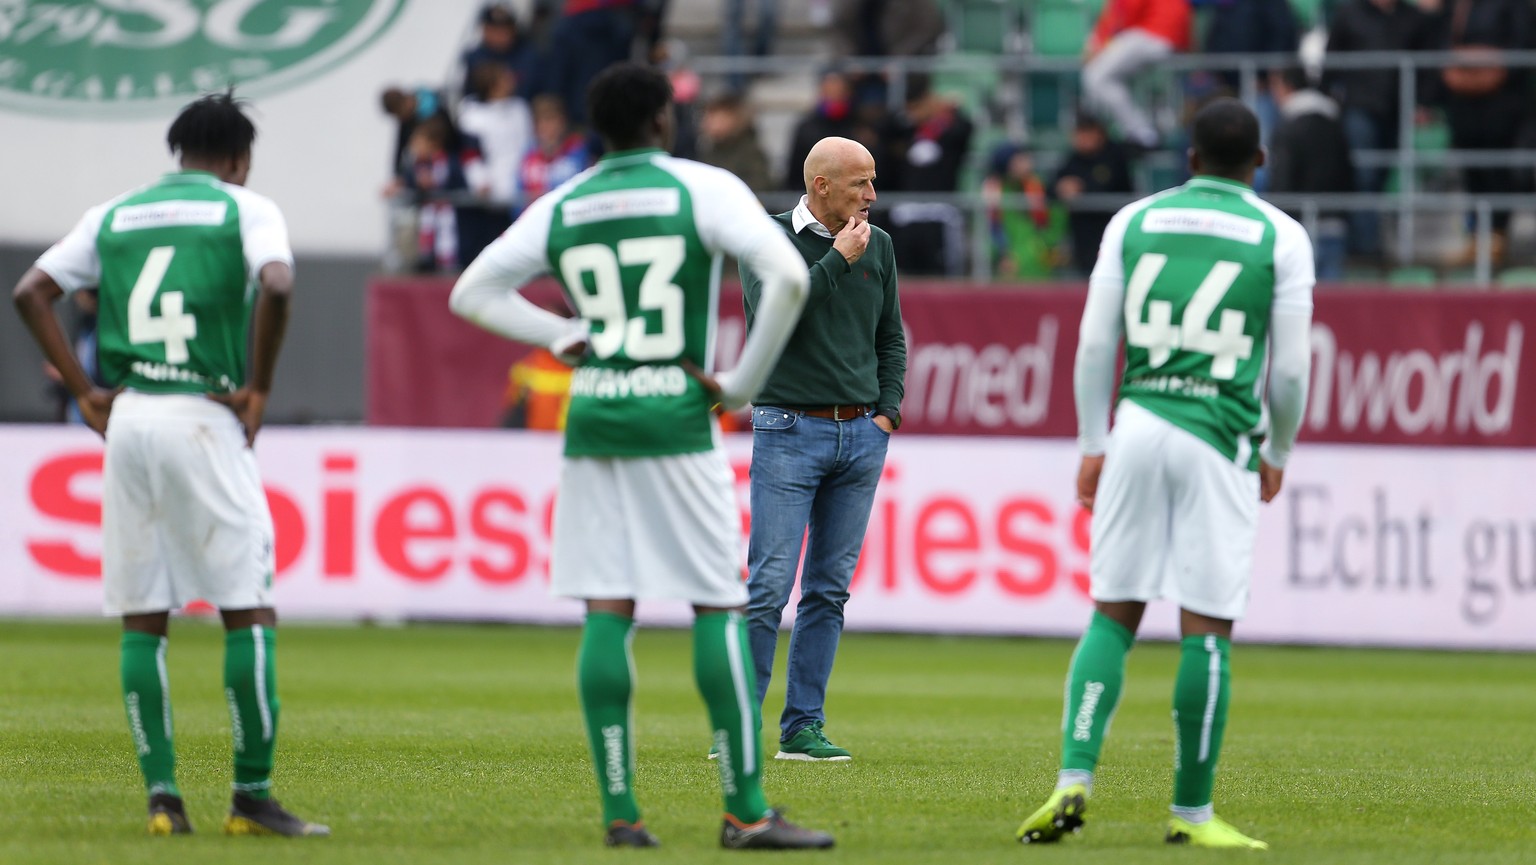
<point>178,264</point>
<point>1207,284</point>
<point>647,505</point>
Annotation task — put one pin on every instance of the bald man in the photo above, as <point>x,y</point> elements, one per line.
<point>820,428</point>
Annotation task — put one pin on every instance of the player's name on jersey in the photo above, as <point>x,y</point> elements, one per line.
<point>167,372</point>
<point>642,381</point>
<point>1190,386</point>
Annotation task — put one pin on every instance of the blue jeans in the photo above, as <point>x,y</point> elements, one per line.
<point>1366,132</point>
<point>815,473</point>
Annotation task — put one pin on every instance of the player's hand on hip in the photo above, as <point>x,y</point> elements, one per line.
<point>1088,480</point>
<point>96,406</point>
<point>249,407</point>
<point>1270,479</point>
<point>852,240</point>
<point>884,423</point>
<point>716,387</point>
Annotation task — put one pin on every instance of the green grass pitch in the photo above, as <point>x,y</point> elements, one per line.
<point>463,744</point>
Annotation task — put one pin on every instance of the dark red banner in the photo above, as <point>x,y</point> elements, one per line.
<point>1388,367</point>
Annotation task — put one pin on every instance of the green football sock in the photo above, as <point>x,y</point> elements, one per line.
<point>1094,682</point>
<point>147,696</point>
<point>722,668</point>
<point>605,672</point>
<point>1199,716</point>
<point>250,688</point>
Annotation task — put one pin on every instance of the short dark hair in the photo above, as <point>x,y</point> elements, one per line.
<point>497,15</point>
<point>1226,138</point>
<point>1295,77</point>
<point>730,100</point>
<point>623,99</point>
<point>212,127</point>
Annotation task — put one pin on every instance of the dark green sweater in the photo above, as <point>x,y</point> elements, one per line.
<point>848,348</point>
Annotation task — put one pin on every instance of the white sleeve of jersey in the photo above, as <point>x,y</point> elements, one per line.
<point>1290,340</point>
<point>1294,271</point>
<point>1098,339</point>
<point>263,231</point>
<point>488,293</point>
<point>731,220</point>
<point>74,262</point>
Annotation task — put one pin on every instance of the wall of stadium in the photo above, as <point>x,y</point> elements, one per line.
<point>1367,545</point>
<point>90,126</point>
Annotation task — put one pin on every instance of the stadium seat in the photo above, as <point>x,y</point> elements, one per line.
<point>1059,28</point>
<point>1412,277</point>
<point>1518,277</point>
<point>982,26</point>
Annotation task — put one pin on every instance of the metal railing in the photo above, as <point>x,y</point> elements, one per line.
<point>1407,203</point>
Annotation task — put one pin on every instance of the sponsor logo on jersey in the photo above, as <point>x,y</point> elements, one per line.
<point>620,204</point>
<point>642,381</point>
<point>166,214</point>
<point>1211,223</point>
<point>1179,385</point>
<point>137,58</point>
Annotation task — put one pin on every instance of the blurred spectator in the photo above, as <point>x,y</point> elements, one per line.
<point>1310,153</point>
<point>409,108</point>
<point>926,148</point>
<point>762,36</point>
<point>728,139</point>
<point>1130,36</point>
<point>653,29</point>
<point>1029,238</point>
<point>558,153</point>
<point>1370,97</point>
<point>590,36</point>
<point>437,171</point>
<point>501,43</point>
<point>832,116</point>
<point>672,56</point>
<point>1487,104</point>
<point>1253,27</point>
<point>84,306</point>
<point>879,28</point>
<point>1096,165</point>
<point>538,393</point>
<point>499,124</point>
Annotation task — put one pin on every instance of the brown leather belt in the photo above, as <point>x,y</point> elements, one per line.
<point>833,412</point>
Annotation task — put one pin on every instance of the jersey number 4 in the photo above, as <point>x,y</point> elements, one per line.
<point>1160,335</point>
<point>174,326</point>
<point>662,257</point>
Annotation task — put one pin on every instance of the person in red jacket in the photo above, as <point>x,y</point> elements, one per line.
<point>1130,36</point>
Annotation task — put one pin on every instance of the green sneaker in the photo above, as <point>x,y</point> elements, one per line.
<point>1062,813</point>
<point>1215,832</point>
<point>810,743</point>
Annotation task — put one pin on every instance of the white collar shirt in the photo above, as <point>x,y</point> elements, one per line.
<point>802,217</point>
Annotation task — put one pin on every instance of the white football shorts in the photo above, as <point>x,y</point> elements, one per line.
<point>649,528</point>
<point>183,516</point>
<point>1172,518</point>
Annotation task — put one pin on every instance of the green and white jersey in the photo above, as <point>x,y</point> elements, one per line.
<point>176,264</point>
<point>637,243</point>
<point>1193,278</point>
